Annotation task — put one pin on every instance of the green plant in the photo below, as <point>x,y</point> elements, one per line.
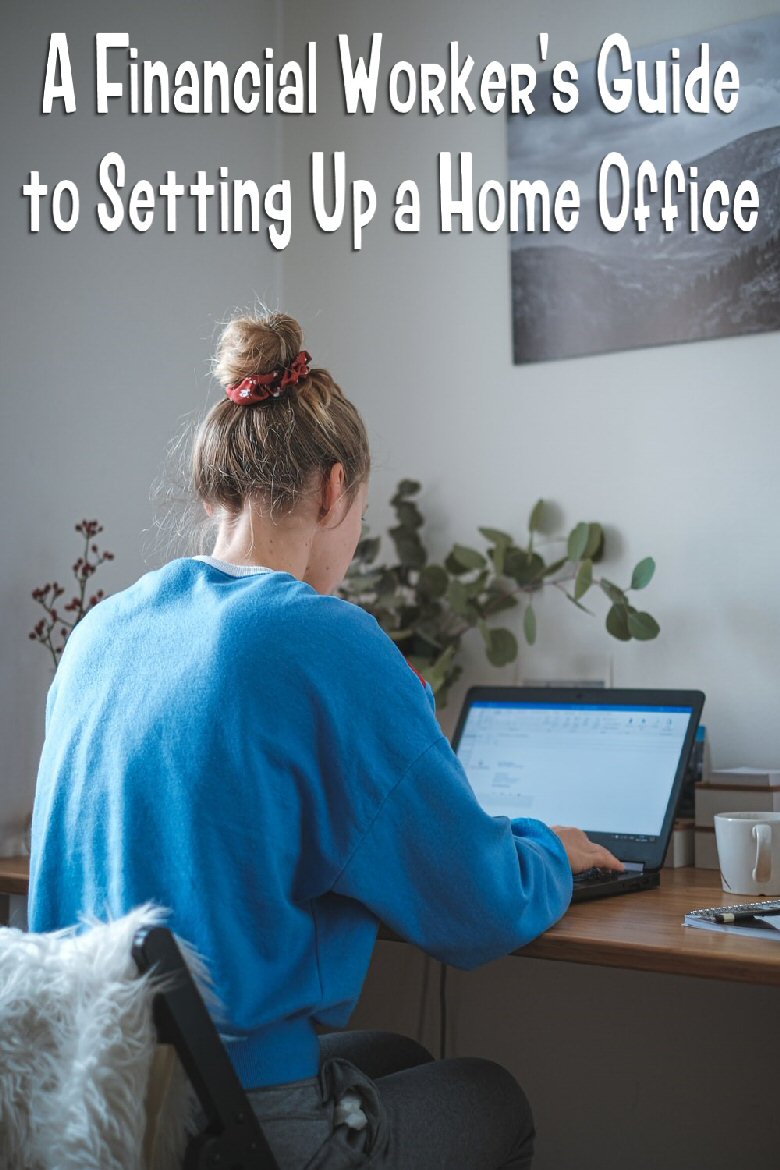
<point>428,608</point>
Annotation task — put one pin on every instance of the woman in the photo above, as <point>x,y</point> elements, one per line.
<point>228,739</point>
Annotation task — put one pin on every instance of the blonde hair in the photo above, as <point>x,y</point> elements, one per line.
<point>277,450</point>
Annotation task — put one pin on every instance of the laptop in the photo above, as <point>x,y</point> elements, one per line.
<point>604,760</point>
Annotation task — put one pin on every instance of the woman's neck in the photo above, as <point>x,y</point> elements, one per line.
<point>254,539</point>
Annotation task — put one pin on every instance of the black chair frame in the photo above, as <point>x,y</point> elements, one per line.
<point>232,1139</point>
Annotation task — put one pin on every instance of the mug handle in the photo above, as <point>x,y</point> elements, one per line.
<point>762,835</point>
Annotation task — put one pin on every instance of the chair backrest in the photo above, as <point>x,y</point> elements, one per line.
<point>232,1138</point>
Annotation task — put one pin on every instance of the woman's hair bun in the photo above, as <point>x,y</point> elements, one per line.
<point>274,449</point>
<point>256,345</point>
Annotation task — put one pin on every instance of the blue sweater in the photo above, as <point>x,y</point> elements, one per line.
<point>261,760</point>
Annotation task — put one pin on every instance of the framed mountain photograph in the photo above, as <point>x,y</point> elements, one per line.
<point>686,267</point>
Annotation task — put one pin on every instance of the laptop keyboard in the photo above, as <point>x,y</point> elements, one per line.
<point>589,877</point>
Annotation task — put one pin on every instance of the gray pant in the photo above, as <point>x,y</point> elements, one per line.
<point>422,1114</point>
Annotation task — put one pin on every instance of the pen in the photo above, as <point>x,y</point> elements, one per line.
<point>735,915</point>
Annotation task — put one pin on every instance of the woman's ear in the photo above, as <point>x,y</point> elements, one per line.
<point>334,485</point>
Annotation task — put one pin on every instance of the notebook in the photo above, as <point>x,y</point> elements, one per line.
<point>608,761</point>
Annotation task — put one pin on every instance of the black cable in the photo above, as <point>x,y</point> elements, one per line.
<point>442,1010</point>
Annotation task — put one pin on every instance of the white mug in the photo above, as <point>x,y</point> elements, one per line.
<point>749,851</point>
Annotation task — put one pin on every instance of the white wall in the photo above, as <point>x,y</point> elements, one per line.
<point>674,447</point>
<point>105,339</point>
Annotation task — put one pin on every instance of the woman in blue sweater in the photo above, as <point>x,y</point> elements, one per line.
<point>228,739</point>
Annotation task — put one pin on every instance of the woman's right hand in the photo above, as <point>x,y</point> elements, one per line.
<point>584,853</point>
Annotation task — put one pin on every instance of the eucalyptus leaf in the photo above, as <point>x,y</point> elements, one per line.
<point>445,658</point>
<point>468,557</point>
<point>536,519</point>
<point>387,584</point>
<point>643,573</point>
<point>501,647</point>
<point>496,536</point>
<point>453,566</point>
<point>455,671</point>
<point>613,592</point>
<point>442,671</point>
<point>497,603</point>
<point>441,679</point>
<point>617,623</point>
<point>406,487</point>
<point>529,625</point>
<point>515,560</point>
<point>363,582</point>
<point>498,557</point>
<point>409,547</point>
<point>500,541</point>
<point>368,548</point>
<point>643,626</point>
<point>583,580</point>
<point>409,515</point>
<point>458,597</point>
<point>578,542</point>
<point>526,568</point>
<point>595,542</point>
<point>433,581</point>
<point>475,587</point>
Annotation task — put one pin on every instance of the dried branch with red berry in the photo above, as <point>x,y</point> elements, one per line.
<point>53,630</point>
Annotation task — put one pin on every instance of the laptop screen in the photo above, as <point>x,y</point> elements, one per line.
<point>606,768</point>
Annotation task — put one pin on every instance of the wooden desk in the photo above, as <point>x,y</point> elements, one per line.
<point>14,875</point>
<point>643,932</point>
<point>639,932</point>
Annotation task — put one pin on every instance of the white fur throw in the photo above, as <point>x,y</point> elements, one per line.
<point>76,1048</point>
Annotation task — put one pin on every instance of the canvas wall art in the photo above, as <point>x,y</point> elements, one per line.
<point>593,291</point>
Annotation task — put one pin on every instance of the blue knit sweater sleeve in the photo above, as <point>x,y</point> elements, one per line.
<point>464,886</point>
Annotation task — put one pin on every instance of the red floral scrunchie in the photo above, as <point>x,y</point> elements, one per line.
<point>259,387</point>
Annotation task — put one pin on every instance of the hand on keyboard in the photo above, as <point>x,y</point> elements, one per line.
<point>592,876</point>
<point>585,854</point>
